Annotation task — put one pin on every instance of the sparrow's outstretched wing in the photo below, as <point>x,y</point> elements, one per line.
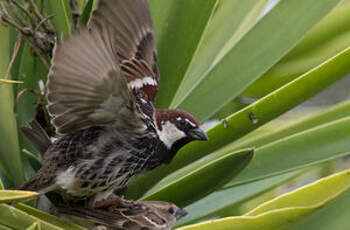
<point>133,41</point>
<point>85,86</point>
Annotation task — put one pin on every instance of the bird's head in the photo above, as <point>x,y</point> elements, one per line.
<point>176,128</point>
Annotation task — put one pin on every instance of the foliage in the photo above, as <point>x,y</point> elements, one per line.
<point>210,53</point>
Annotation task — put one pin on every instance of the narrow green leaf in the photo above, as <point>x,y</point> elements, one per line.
<point>13,40</point>
<point>279,129</point>
<point>334,216</point>
<point>196,181</point>
<point>81,4</point>
<point>10,81</point>
<point>9,150</point>
<point>278,219</point>
<point>232,201</point>
<point>316,193</point>
<point>1,185</point>
<point>230,22</point>
<point>335,24</point>
<point>17,219</point>
<point>7,196</point>
<point>2,227</point>
<point>264,110</point>
<point>31,70</point>
<point>33,160</point>
<point>328,38</point>
<point>177,39</point>
<point>4,180</point>
<point>34,226</point>
<point>315,145</point>
<point>254,54</point>
<point>48,218</point>
<point>285,210</point>
<point>62,19</point>
<point>276,103</point>
<point>87,12</point>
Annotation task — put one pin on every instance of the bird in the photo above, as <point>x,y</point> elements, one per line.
<point>125,214</point>
<point>101,89</point>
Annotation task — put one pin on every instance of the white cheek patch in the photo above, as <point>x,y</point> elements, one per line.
<point>170,134</point>
<point>139,83</point>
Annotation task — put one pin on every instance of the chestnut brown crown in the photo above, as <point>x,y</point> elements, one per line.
<point>180,121</point>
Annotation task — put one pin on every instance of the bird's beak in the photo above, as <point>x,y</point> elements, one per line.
<point>180,212</point>
<point>198,134</point>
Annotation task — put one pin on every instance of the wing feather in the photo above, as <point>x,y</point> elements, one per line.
<point>85,86</point>
<point>132,40</point>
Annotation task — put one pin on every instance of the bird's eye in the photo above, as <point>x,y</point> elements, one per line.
<point>182,122</point>
<point>171,210</point>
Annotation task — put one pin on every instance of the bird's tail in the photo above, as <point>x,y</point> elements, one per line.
<point>40,183</point>
<point>37,136</point>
